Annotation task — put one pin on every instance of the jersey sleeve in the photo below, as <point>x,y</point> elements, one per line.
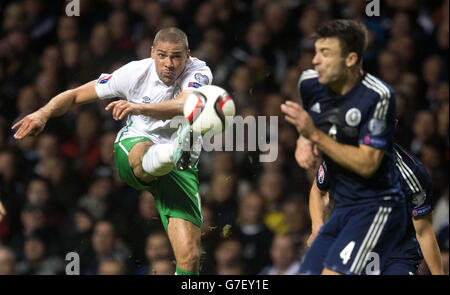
<point>116,84</point>
<point>197,78</point>
<point>420,203</point>
<point>322,177</point>
<point>302,85</point>
<point>377,129</point>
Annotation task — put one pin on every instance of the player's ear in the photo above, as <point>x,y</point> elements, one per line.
<point>188,53</point>
<point>351,60</point>
<point>152,52</point>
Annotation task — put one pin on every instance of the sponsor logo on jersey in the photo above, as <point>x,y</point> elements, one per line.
<point>104,80</point>
<point>194,84</point>
<point>353,117</point>
<point>321,174</point>
<point>202,79</point>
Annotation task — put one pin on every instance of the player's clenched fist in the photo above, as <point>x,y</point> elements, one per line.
<point>122,108</point>
<point>306,153</point>
<point>298,117</point>
<point>32,124</point>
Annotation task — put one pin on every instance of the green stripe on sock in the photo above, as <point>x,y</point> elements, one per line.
<point>185,273</point>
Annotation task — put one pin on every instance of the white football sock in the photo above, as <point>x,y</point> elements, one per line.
<point>157,161</point>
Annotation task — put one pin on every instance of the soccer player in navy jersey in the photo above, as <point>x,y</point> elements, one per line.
<point>419,242</point>
<point>349,115</point>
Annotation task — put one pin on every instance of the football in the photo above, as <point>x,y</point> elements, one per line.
<point>209,108</point>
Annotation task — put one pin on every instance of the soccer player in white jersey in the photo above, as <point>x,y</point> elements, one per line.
<point>146,158</point>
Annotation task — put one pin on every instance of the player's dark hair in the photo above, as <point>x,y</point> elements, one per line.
<point>171,35</point>
<point>350,33</point>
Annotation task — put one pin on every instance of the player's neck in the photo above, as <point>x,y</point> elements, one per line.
<point>347,82</point>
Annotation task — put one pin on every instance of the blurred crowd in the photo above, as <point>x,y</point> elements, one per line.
<point>61,191</point>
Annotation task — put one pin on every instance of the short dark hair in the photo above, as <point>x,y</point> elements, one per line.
<point>171,35</point>
<point>351,34</point>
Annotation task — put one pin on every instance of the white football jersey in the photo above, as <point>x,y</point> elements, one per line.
<point>138,82</point>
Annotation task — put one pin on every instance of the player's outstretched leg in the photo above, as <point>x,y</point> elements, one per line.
<point>185,238</point>
<point>148,160</point>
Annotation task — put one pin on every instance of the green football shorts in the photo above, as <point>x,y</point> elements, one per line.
<point>176,194</point>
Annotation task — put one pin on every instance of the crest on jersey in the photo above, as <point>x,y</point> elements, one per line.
<point>202,79</point>
<point>353,117</point>
<point>418,199</point>
<point>321,174</point>
<point>376,126</point>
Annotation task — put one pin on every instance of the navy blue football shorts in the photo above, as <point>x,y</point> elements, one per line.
<point>354,237</point>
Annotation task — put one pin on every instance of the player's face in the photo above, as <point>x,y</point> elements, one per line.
<point>170,60</point>
<point>328,60</point>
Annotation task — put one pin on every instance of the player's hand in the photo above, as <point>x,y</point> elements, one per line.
<point>33,124</point>
<point>306,153</point>
<point>122,108</point>
<point>298,117</point>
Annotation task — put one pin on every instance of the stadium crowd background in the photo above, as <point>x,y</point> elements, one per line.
<point>61,191</point>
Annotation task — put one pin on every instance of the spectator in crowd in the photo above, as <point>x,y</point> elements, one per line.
<point>157,247</point>
<point>37,258</point>
<point>34,219</point>
<point>424,128</point>
<point>221,198</point>
<point>111,267</point>
<point>106,244</point>
<point>295,213</point>
<point>271,188</point>
<point>142,224</point>
<point>84,148</point>
<point>253,233</point>
<point>162,266</point>
<point>227,252</point>
<point>7,261</point>
<point>284,253</point>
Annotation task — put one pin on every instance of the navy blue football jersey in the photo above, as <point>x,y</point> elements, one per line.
<point>417,187</point>
<point>364,115</point>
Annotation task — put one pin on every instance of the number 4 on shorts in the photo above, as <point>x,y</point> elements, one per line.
<point>347,252</point>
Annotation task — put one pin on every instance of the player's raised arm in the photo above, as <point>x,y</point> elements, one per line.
<point>161,111</point>
<point>35,122</point>
<point>363,160</point>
